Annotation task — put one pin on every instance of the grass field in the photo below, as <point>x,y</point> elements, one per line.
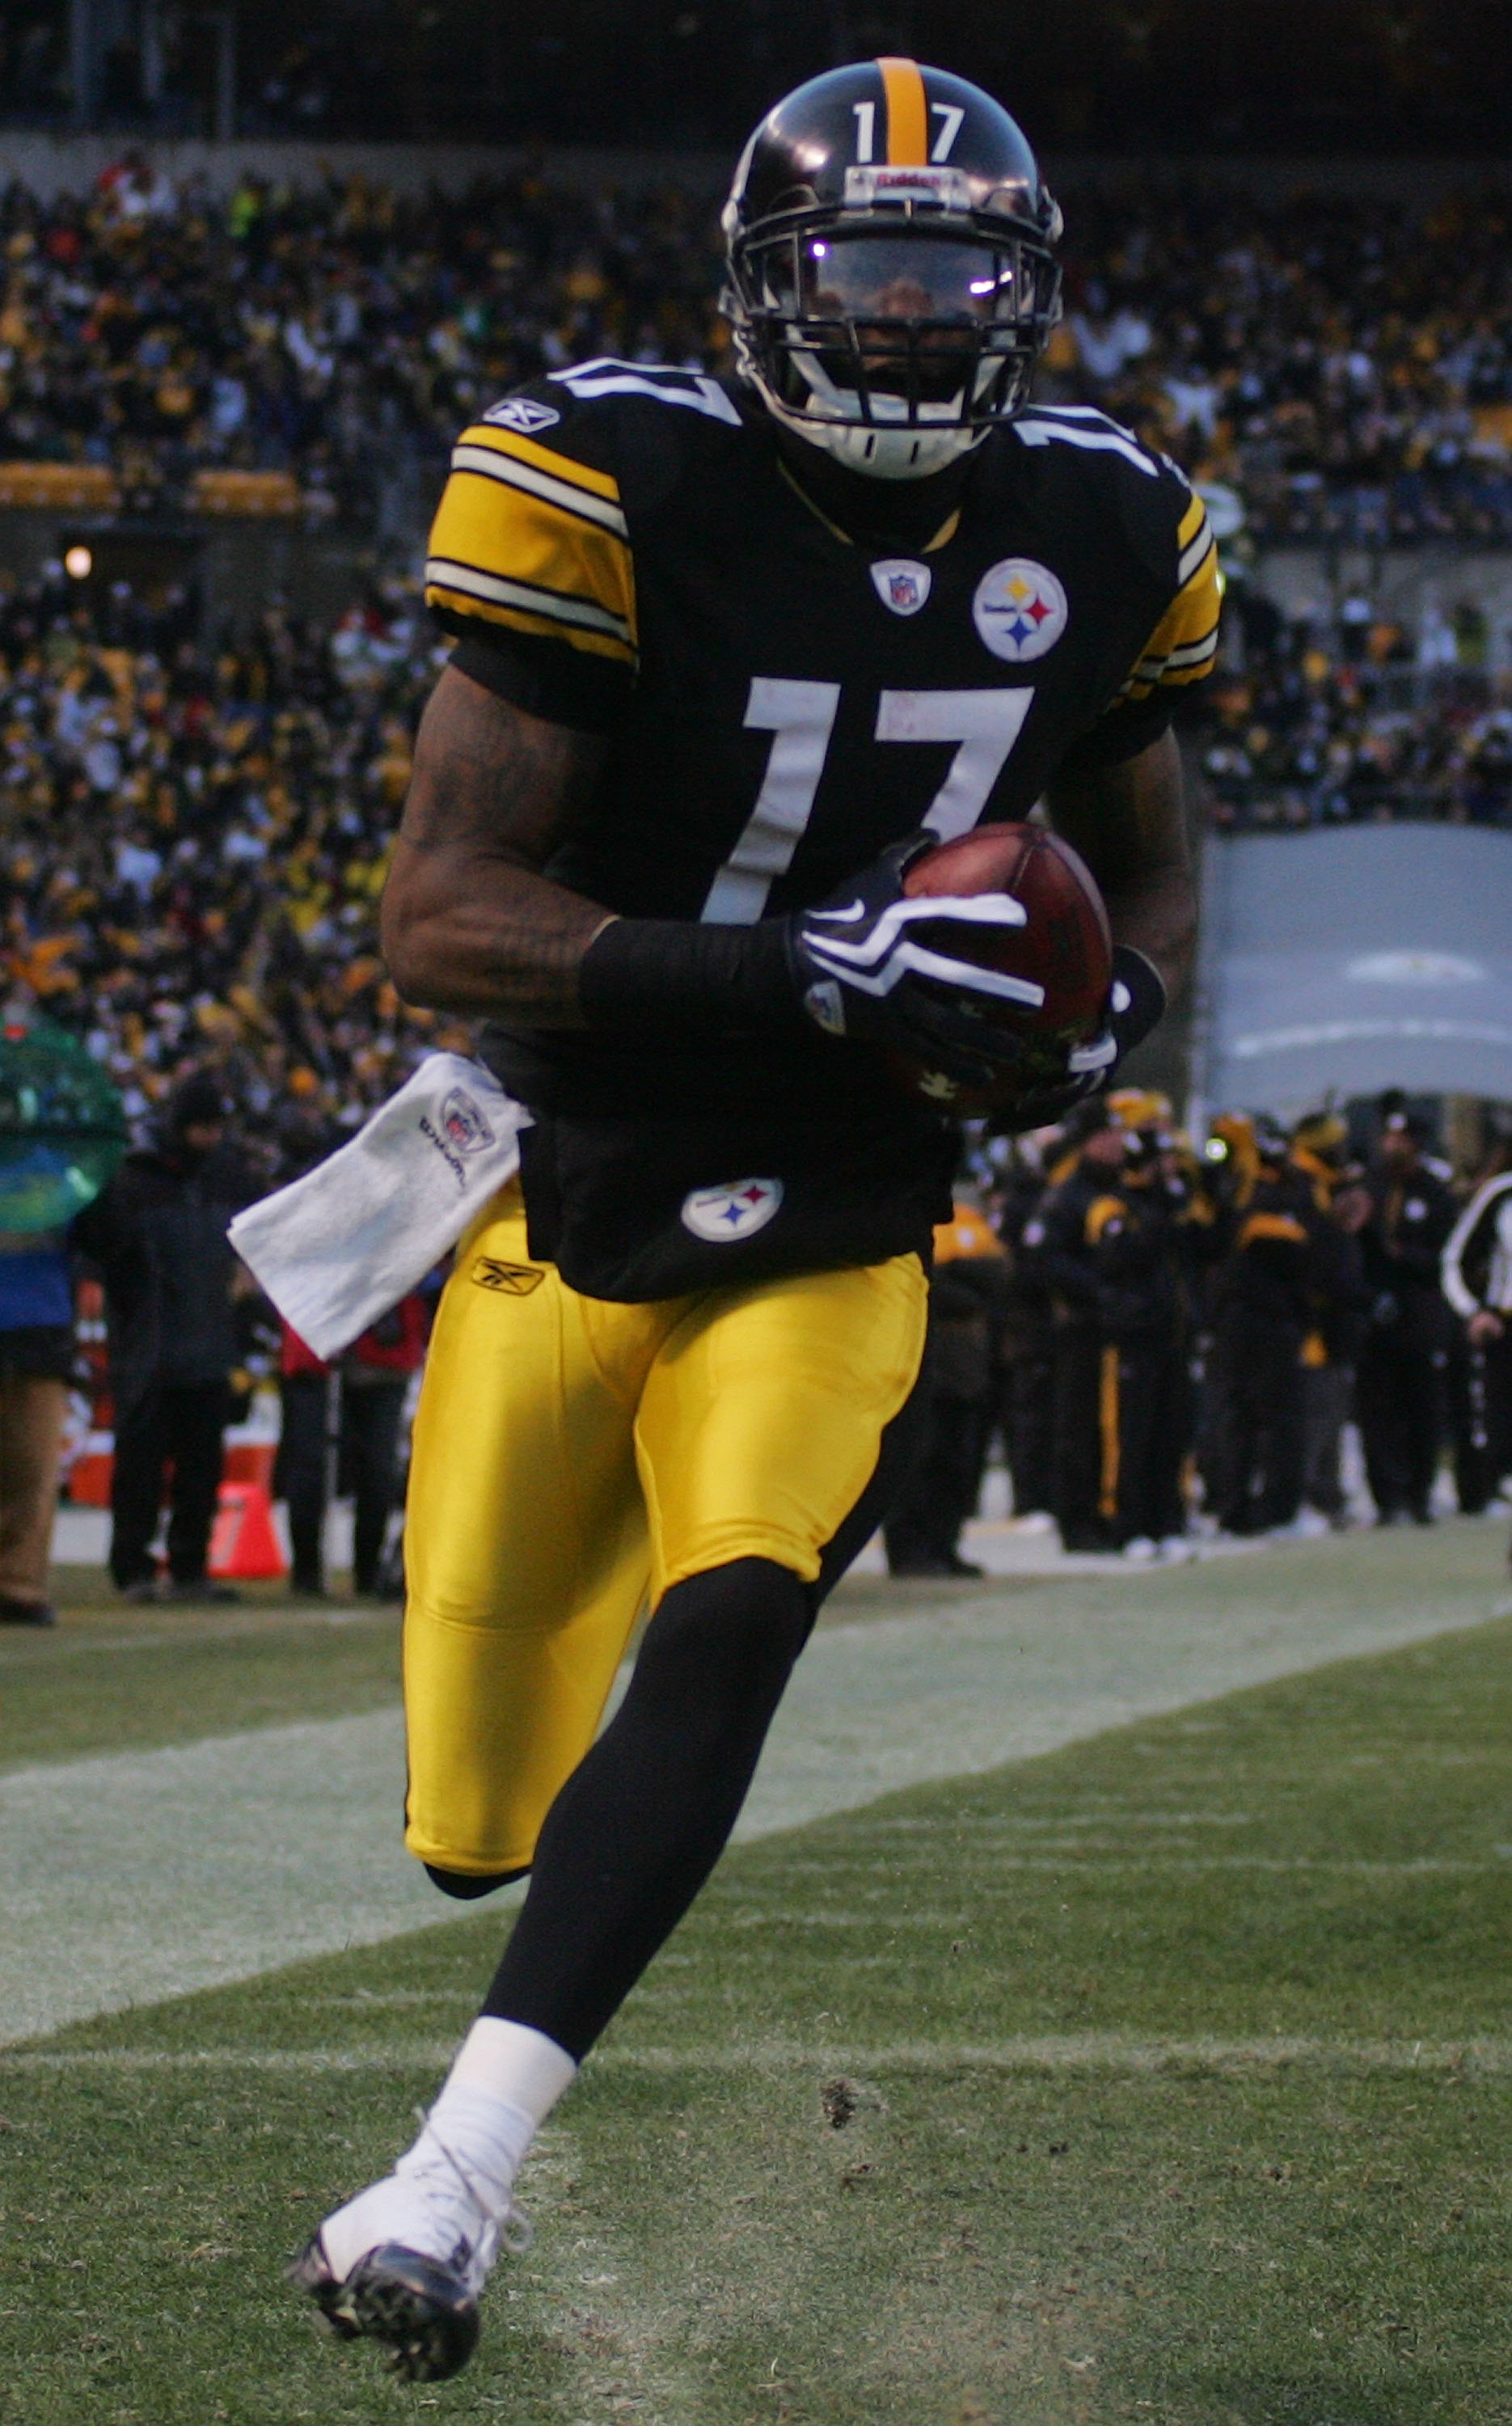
<point>1164,2078</point>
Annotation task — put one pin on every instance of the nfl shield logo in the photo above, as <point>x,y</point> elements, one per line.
<point>462,1123</point>
<point>901,583</point>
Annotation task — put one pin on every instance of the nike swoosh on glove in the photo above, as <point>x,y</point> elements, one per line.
<point>1135,1004</point>
<point>861,969</point>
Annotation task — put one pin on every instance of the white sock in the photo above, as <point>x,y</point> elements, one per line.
<point>504,2083</point>
<point>519,2064</point>
<point>501,2087</point>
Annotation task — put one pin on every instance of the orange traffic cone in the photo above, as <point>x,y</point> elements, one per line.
<point>244,1545</point>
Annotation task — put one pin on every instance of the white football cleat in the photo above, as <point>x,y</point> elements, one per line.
<point>403,2263</point>
<point>1140,1551</point>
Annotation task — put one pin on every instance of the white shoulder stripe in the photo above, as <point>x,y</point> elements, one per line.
<point>515,474</point>
<point>1036,430</point>
<point>1092,413</point>
<point>606,377</point>
<point>1192,553</point>
<point>1190,651</point>
<point>444,572</point>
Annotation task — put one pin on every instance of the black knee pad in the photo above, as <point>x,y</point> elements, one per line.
<point>467,1888</point>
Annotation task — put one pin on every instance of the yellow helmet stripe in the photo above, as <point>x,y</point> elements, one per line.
<point>908,114</point>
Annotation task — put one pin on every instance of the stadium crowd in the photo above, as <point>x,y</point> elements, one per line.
<point>149,785</point>
<point>1345,366</point>
<point>1352,719</point>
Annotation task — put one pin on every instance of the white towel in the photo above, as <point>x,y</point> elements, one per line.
<point>337,1249</point>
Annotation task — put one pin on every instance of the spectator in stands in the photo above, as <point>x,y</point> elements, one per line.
<point>157,1233</point>
<point>346,1416</point>
<point>1400,1380</point>
<point>36,1358</point>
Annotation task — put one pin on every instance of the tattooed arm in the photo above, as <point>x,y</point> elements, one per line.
<point>469,923</point>
<point>1127,823</point>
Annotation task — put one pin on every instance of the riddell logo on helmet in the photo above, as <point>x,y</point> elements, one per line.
<point>949,187</point>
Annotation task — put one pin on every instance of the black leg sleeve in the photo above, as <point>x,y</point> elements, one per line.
<point>644,1817</point>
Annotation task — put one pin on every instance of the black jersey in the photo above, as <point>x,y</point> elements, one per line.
<point>625,552</point>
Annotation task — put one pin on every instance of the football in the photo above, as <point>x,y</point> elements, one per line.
<point>1065,946</point>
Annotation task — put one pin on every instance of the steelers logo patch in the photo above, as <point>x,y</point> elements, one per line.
<point>735,1210</point>
<point>1018,610</point>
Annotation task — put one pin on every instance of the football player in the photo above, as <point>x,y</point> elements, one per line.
<point>730,652</point>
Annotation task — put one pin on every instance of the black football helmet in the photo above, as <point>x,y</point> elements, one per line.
<point>891,273</point>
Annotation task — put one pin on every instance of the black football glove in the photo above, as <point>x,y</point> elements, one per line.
<point>1135,1004</point>
<point>862,970</point>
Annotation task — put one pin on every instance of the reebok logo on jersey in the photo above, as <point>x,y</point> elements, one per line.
<point>507,1280</point>
<point>523,413</point>
<point>1020,609</point>
<point>735,1210</point>
<point>901,583</point>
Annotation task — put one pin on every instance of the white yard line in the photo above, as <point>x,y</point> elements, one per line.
<point>1090,2051</point>
<point>136,1876</point>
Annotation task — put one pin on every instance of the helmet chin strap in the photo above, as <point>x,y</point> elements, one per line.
<point>912,451</point>
<point>882,454</point>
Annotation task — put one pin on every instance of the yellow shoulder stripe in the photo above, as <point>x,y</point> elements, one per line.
<point>908,114</point>
<point>526,450</point>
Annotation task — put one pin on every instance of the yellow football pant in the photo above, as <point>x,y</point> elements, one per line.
<point>572,1456</point>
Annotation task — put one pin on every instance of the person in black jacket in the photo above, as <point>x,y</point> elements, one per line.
<point>157,1233</point>
<point>1263,1313</point>
<point>1400,1382</point>
<point>1144,1402</point>
<point>1064,1239</point>
<point>1026,1366</point>
<point>1340,1302</point>
<point>968,1291</point>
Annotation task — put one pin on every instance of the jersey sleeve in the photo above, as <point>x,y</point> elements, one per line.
<point>1182,648</point>
<point>530,563</point>
<point>1184,642</point>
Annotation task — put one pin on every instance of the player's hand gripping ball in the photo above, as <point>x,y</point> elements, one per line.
<point>1063,950</point>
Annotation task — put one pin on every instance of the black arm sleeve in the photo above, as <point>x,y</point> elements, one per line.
<point>546,678</point>
<point>1121,732</point>
<point>674,972</point>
